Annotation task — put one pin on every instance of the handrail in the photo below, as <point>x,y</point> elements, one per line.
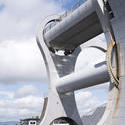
<point>65,14</point>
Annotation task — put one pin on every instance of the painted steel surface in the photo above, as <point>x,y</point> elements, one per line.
<point>67,35</point>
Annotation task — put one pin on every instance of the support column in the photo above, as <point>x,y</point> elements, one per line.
<point>115,111</point>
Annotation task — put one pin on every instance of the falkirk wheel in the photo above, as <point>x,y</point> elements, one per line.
<point>66,33</point>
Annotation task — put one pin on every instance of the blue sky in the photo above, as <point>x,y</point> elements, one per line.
<point>22,71</point>
<point>70,3</point>
<point>1,7</point>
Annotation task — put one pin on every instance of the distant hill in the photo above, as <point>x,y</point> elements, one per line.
<point>10,123</point>
<point>93,117</point>
<point>90,118</point>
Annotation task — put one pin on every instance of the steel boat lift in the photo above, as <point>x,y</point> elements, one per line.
<point>66,33</point>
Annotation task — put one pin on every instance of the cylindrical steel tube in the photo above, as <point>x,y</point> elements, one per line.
<point>94,75</point>
<point>75,29</point>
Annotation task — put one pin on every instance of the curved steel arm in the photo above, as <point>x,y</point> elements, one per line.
<point>59,105</point>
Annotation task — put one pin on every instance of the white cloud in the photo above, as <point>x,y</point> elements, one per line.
<point>27,90</point>
<point>91,56</point>
<point>8,94</point>
<point>25,102</point>
<point>20,108</point>
<point>88,57</point>
<point>86,101</point>
<point>18,19</point>
<point>21,61</point>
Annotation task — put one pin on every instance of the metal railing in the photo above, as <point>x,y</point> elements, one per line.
<point>65,14</point>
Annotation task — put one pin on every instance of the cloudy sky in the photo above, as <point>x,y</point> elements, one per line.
<point>23,79</point>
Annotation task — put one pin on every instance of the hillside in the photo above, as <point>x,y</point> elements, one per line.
<point>93,117</point>
<point>9,123</point>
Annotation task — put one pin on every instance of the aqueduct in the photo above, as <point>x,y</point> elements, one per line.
<point>66,33</point>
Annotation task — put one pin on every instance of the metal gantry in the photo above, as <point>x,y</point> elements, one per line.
<point>82,24</point>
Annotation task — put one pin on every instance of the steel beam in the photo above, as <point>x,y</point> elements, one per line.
<point>90,76</point>
<point>78,27</point>
<point>83,24</point>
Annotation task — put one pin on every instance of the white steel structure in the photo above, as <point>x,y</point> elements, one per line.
<point>68,32</point>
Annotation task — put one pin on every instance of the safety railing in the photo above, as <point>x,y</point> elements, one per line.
<point>65,14</point>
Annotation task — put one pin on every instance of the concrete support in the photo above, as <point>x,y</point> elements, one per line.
<point>68,35</point>
<point>59,105</point>
<point>58,67</point>
<point>114,114</point>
